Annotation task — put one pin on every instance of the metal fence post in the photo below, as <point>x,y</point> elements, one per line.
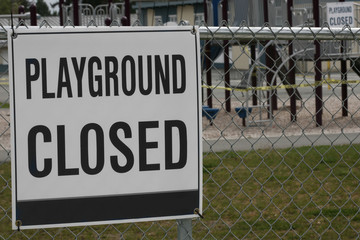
<point>318,88</point>
<point>291,65</point>
<point>33,20</point>
<point>124,21</point>
<point>344,86</point>
<point>127,12</point>
<point>76,12</point>
<point>226,58</point>
<point>61,3</point>
<point>21,10</point>
<point>184,229</point>
<point>108,21</point>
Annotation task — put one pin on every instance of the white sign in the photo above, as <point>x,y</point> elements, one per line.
<point>106,125</point>
<point>340,14</point>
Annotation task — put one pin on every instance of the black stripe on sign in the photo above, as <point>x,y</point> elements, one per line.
<point>125,207</point>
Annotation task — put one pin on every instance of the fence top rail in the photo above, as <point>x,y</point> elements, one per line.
<point>279,33</point>
<point>260,33</point>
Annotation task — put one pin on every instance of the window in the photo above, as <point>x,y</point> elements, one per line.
<point>158,21</point>
<point>172,18</point>
<point>199,17</point>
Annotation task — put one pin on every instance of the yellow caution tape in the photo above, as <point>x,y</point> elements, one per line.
<point>4,81</point>
<point>328,81</point>
<point>265,88</point>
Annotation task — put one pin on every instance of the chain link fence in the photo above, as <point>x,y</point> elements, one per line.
<point>281,117</point>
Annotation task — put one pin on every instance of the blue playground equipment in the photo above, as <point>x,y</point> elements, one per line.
<point>243,112</point>
<point>209,113</point>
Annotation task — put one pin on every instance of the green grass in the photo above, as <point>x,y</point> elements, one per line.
<point>307,192</point>
<point>4,105</point>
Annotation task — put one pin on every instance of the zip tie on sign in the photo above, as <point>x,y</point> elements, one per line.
<point>18,223</point>
<point>197,211</point>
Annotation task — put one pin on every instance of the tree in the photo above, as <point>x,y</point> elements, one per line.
<point>25,3</point>
<point>42,8</point>
<point>6,6</point>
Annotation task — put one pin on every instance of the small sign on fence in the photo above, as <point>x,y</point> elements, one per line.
<point>340,14</point>
<point>106,125</point>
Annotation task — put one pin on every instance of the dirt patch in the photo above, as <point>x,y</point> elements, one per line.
<point>229,125</point>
